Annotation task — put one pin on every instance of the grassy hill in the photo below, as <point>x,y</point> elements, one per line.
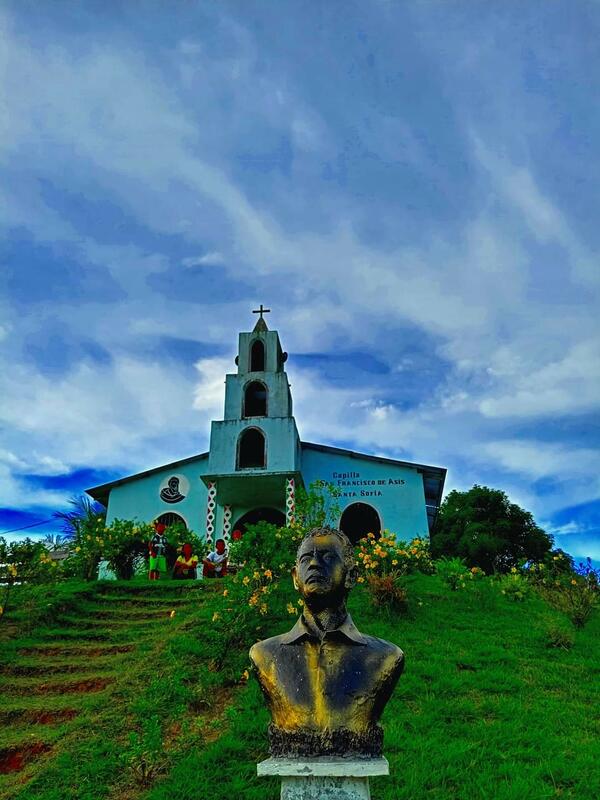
<point>120,690</point>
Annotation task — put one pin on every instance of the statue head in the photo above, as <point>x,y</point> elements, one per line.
<point>325,569</point>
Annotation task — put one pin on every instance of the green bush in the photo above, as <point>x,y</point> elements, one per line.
<point>514,586</point>
<point>122,544</point>
<point>574,595</point>
<point>453,572</point>
<point>559,638</point>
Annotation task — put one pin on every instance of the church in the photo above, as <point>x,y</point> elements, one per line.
<point>257,460</point>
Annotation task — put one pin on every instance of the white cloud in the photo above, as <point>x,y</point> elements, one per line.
<point>543,459</point>
<point>569,385</point>
<point>212,259</point>
<point>113,123</point>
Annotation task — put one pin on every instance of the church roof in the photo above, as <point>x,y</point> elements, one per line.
<point>261,325</point>
<point>100,493</point>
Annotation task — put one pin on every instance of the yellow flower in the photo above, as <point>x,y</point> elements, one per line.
<point>574,582</point>
<point>291,609</point>
<point>245,675</point>
<point>268,573</point>
<point>264,589</point>
<point>225,592</point>
<point>394,561</point>
<point>253,600</point>
<point>172,614</point>
<point>246,580</point>
<point>370,535</point>
<point>256,575</point>
<point>263,608</point>
<point>513,570</point>
<point>360,579</point>
<point>216,616</point>
<point>301,602</point>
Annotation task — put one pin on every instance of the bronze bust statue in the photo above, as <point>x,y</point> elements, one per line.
<point>325,683</point>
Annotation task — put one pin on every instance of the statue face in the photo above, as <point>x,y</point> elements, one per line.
<point>320,571</point>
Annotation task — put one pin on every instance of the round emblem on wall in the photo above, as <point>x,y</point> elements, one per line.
<point>174,489</point>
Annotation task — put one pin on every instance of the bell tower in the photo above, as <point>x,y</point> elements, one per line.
<point>255,454</point>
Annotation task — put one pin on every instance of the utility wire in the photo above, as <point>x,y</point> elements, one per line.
<point>24,528</point>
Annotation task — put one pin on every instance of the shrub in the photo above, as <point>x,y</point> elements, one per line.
<point>263,546</point>
<point>575,596</point>
<point>387,555</point>
<point>387,591</point>
<point>145,755</point>
<point>27,562</point>
<point>122,543</point>
<point>453,572</point>
<point>514,586</point>
<point>559,638</point>
<point>385,561</point>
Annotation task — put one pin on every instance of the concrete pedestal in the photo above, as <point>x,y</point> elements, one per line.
<point>324,778</point>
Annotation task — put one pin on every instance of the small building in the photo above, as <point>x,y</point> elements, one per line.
<point>256,462</point>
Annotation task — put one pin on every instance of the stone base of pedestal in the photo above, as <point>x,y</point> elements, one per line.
<point>324,778</point>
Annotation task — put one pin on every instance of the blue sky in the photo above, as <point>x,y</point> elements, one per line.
<point>411,187</point>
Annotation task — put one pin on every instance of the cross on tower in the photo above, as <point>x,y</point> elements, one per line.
<point>261,311</point>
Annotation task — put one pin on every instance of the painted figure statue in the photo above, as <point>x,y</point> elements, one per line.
<point>215,563</point>
<point>157,548</point>
<point>325,683</point>
<point>186,564</point>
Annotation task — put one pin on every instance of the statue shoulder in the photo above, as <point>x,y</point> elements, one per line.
<point>263,652</point>
<point>386,650</point>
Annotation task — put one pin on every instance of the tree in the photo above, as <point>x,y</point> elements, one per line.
<point>85,521</point>
<point>488,531</point>
<point>86,513</point>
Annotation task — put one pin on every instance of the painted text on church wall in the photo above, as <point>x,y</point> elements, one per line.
<point>351,483</point>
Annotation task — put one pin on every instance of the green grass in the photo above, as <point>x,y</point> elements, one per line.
<point>484,709</point>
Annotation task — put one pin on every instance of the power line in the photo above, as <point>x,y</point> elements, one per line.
<point>24,528</point>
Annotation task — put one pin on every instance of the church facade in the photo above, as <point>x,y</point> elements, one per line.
<point>256,462</point>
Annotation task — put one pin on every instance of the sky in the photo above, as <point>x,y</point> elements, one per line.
<point>412,188</point>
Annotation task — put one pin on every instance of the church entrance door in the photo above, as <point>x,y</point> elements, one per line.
<point>358,520</point>
<point>271,515</point>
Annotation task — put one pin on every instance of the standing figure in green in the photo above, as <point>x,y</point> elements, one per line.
<point>157,548</point>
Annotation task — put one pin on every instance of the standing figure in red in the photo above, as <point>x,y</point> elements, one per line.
<point>157,547</point>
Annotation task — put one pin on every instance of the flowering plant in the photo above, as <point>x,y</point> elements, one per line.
<point>387,556</point>
<point>384,561</point>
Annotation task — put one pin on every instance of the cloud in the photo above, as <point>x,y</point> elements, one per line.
<point>420,221</point>
<point>569,385</point>
<point>213,259</point>
<point>543,459</point>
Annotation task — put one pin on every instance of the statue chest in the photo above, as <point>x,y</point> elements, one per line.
<point>327,684</point>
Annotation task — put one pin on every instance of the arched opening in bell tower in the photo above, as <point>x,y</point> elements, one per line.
<point>358,520</point>
<point>255,400</point>
<point>257,356</point>
<point>252,451</point>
